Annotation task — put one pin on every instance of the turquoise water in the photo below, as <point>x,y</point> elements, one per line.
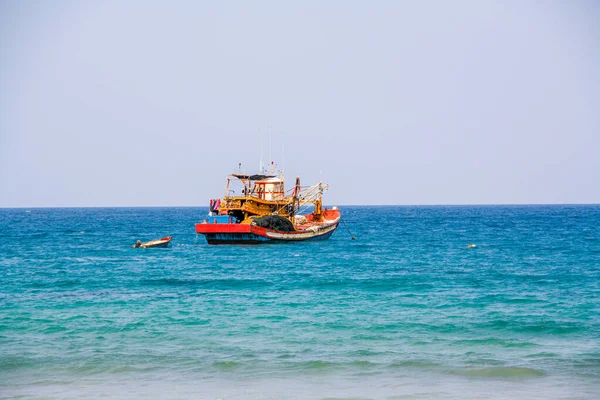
<point>406,311</point>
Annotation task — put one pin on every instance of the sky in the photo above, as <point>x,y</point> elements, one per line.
<point>154,103</point>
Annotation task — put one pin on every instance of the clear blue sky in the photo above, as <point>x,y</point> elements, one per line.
<point>137,103</point>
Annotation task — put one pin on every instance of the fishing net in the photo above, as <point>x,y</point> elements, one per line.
<point>275,222</point>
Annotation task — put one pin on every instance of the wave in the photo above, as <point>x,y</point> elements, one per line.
<point>501,372</point>
<point>226,365</point>
<point>271,317</point>
<point>549,326</point>
<point>56,284</point>
<point>495,342</point>
<point>415,364</point>
<point>543,354</point>
<point>331,366</point>
<point>209,283</point>
<point>11,363</point>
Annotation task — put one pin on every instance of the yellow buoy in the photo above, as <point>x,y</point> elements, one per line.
<point>470,246</point>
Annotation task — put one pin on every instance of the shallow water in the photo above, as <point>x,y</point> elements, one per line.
<point>406,311</point>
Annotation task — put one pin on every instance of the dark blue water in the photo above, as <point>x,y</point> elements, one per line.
<point>405,311</point>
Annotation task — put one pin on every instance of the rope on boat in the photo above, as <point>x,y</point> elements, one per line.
<point>348,229</point>
<point>195,240</point>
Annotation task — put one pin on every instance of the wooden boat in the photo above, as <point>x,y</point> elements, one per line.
<point>164,242</point>
<point>263,212</point>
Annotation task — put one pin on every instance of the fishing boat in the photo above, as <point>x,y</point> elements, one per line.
<point>163,242</point>
<point>262,211</point>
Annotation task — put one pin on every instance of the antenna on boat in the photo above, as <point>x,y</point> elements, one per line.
<point>282,159</point>
<point>270,148</point>
<point>260,166</point>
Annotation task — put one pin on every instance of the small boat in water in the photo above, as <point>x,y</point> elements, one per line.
<point>164,242</point>
<point>263,212</point>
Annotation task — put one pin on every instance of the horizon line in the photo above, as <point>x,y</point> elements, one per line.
<point>329,205</point>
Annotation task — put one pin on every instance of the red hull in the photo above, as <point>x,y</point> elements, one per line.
<point>216,233</point>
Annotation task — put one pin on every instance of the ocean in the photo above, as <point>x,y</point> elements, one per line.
<point>405,311</point>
